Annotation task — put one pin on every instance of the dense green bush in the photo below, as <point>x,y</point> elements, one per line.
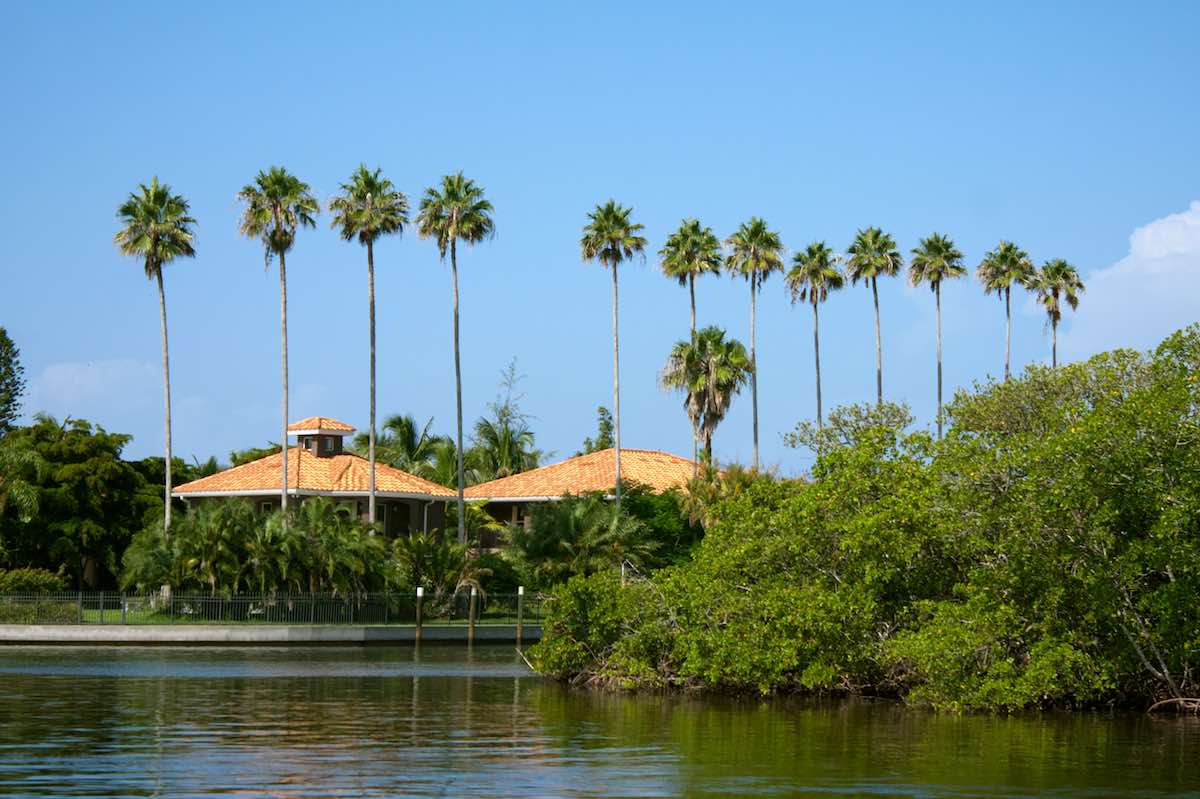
<point>1045,552</point>
<point>31,581</point>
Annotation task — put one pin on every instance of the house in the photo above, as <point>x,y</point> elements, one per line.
<point>319,466</point>
<point>508,497</point>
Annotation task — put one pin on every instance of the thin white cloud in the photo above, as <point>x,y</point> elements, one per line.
<point>121,387</point>
<point>1143,297</point>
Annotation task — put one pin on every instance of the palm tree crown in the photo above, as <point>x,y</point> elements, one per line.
<point>610,236</point>
<point>755,251</point>
<point>814,274</point>
<point>691,251</point>
<point>368,207</point>
<point>1003,266</point>
<point>455,211</point>
<point>710,370</point>
<point>935,259</point>
<point>277,203</point>
<point>155,226</point>
<point>1055,282</point>
<point>873,254</point>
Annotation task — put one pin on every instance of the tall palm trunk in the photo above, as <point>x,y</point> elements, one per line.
<point>371,432</point>
<point>753,372</point>
<point>692,293</point>
<point>462,516</point>
<point>708,447</point>
<point>283,492</point>
<point>1007,329</point>
<point>937,299</point>
<point>166,363</point>
<point>616,390</point>
<point>1053,343</point>
<point>817,357</point>
<point>878,346</point>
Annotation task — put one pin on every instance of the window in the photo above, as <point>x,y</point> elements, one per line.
<point>307,442</point>
<point>266,507</point>
<point>327,443</point>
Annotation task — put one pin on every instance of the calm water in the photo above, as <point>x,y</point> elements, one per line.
<point>442,722</point>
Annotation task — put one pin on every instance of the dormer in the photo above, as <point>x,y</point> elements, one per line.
<point>320,435</point>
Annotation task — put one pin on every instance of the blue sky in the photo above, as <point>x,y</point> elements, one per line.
<point>1070,129</point>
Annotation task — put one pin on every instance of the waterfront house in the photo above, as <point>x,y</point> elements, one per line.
<point>319,466</point>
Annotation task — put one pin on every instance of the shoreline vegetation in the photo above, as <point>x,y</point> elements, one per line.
<point>1043,553</point>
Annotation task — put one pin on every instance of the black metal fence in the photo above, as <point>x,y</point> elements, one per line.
<point>164,607</point>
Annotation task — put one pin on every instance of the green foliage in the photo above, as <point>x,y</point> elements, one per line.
<point>89,502</point>
<point>504,444</point>
<point>226,547</point>
<point>847,424</point>
<point>12,382</point>
<point>31,581</point>
<point>439,564</point>
<point>577,535</point>
<point>1045,552</point>
<point>604,433</point>
<point>710,370</point>
<point>243,456</point>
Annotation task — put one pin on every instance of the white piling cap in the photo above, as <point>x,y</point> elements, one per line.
<point>520,590</point>
<point>420,591</point>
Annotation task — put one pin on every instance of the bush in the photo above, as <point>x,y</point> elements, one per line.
<point>31,581</point>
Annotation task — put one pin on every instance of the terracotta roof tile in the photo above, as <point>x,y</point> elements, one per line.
<point>592,472</point>
<point>307,472</point>
<point>320,423</point>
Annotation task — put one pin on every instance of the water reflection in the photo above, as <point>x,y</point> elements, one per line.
<point>444,721</point>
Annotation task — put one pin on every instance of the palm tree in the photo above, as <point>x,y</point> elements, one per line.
<point>277,203</point>
<point>405,445</point>
<point>936,259</point>
<point>610,237</point>
<point>814,274</point>
<point>156,227</point>
<point>369,207</point>
<point>755,251</point>
<point>1056,281</point>
<point>873,255</point>
<point>710,370</point>
<point>999,269</point>
<point>456,211</point>
<point>688,253</point>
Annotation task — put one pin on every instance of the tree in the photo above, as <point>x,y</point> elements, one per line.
<point>21,469</point>
<point>689,252</point>
<point>813,275</point>
<point>710,370</point>
<point>611,237</point>
<point>873,254</point>
<point>936,259</point>
<point>12,382</point>
<point>604,433</point>
<point>1057,281</point>
<point>755,251</point>
<point>999,269</point>
<point>240,456</point>
<point>504,444</point>
<point>369,207</point>
<point>156,227</point>
<point>405,445</point>
<point>277,204</point>
<point>456,211</point>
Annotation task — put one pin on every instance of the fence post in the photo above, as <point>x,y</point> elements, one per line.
<point>420,597</point>
<point>124,607</point>
<point>387,603</point>
<point>520,612</point>
<point>79,607</point>
<point>471,616</point>
<point>102,607</point>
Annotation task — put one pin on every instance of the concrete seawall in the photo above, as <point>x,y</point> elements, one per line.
<point>249,635</point>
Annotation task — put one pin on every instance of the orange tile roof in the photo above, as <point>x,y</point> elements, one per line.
<point>320,423</point>
<point>592,472</point>
<point>308,473</point>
